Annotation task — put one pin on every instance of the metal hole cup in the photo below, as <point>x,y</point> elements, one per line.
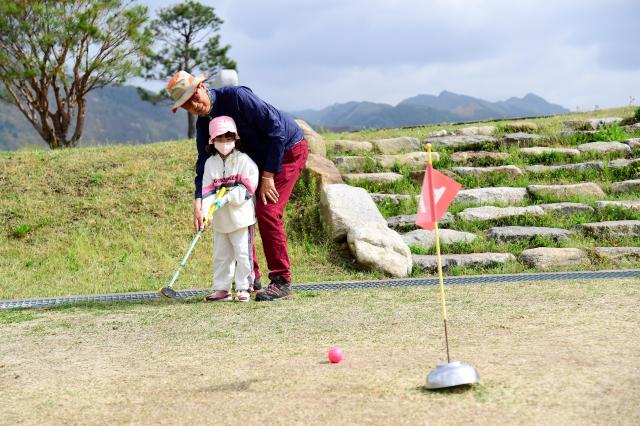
<point>451,374</point>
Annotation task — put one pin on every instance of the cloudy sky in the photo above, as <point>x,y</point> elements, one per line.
<point>314,53</point>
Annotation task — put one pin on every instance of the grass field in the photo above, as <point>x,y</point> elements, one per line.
<point>548,353</point>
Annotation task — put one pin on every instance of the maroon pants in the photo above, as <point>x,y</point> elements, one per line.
<point>274,239</point>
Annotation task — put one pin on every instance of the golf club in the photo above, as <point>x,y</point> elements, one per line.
<point>168,291</point>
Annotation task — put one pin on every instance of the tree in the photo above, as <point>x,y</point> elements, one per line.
<point>184,32</point>
<point>52,53</point>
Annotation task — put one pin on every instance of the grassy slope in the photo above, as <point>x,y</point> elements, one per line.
<point>117,218</point>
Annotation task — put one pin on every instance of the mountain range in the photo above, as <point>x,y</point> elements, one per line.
<point>118,115</point>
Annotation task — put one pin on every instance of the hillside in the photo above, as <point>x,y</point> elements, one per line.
<point>118,218</point>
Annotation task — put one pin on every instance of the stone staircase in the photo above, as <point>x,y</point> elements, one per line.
<point>531,200</point>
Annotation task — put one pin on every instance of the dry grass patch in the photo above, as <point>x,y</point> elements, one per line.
<point>547,353</point>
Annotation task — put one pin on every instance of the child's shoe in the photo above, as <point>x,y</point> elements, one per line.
<point>219,296</point>
<point>243,296</point>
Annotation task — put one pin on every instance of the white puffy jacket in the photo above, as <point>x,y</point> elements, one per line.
<point>239,174</point>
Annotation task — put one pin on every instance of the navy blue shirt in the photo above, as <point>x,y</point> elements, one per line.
<point>265,132</point>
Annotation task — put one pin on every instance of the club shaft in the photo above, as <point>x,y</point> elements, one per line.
<point>185,258</point>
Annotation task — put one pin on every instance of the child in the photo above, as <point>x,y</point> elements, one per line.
<point>234,217</point>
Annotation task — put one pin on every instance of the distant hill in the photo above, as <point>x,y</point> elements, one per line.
<point>118,115</point>
<point>425,109</point>
<point>114,115</point>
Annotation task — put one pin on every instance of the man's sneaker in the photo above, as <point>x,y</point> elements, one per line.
<point>219,296</point>
<point>243,296</point>
<point>278,289</point>
<point>257,284</point>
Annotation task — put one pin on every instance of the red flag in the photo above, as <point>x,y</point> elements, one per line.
<point>438,192</point>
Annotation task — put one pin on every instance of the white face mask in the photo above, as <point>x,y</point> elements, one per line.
<point>224,148</point>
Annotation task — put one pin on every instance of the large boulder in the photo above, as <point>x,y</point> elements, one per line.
<point>498,194</point>
<point>352,147</point>
<point>379,248</point>
<point>526,233</point>
<point>396,145</point>
<point>544,258</point>
<point>427,239</point>
<point>604,147</point>
<point>587,189</point>
<point>322,169</point>
<point>429,263</point>
<point>315,141</point>
<point>343,207</point>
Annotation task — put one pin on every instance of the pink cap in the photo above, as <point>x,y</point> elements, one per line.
<point>221,125</point>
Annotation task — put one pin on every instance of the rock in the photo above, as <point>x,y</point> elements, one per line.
<point>429,262</point>
<point>604,147</point>
<point>632,128</point>
<point>599,122</point>
<point>351,163</point>
<point>492,213</point>
<point>461,141</point>
<point>621,163</point>
<point>427,239</point>
<point>315,141</point>
<point>353,147</point>
<point>577,167</point>
<point>473,156</point>
<point>492,195</point>
<point>634,143</point>
<point>509,170</point>
<point>613,228</point>
<point>343,207</point>
<point>618,254</point>
<point>526,233</point>
<point>477,130</point>
<point>322,169</point>
<point>587,189</point>
<point>577,125</point>
<point>625,204</point>
<point>540,150</point>
<point>408,221</point>
<point>394,198</point>
<point>379,248</point>
<point>522,126</point>
<point>522,139</point>
<point>626,186</point>
<point>396,145</point>
<point>386,177</point>
<point>437,133</point>
<point>546,258</point>
<point>417,159</point>
<point>566,209</point>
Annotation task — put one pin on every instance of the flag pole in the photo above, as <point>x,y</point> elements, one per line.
<point>438,256</point>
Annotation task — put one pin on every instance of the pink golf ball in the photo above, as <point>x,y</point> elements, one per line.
<point>335,354</point>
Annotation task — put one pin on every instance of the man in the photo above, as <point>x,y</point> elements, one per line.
<point>272,140</point>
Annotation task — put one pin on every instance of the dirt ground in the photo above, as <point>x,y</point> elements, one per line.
<point>547,353</point>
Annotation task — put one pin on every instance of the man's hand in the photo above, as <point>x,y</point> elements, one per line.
<point>198,217</point>
<point>268,190</point>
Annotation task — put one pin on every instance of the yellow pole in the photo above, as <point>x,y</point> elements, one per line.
<point>439,260</point>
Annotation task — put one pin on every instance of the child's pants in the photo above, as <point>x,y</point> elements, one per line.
<point>232,252</point>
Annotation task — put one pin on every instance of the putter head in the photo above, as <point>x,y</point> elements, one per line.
<point>168,293</point>
<point>451,374</point>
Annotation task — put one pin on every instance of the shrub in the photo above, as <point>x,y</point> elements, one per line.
<point>637,114</point>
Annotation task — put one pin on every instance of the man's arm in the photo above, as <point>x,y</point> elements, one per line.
<point>202,134</point>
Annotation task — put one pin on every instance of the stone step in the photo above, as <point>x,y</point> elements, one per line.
<point>522,139</point>
<point>587,189</point>
<point>618,254</point>
<point>613,228</point>
<point>461,141</point>
<point>353,147</point>
<point>476,156</point>
<point>526,233</point>
<point>396,145</point>
<point>357,164</point>
<point>626,204</point>
<point>429,263</point>
<point>566,208</point>
<point>544,258</point>
<point>621,163</point>
<point>496,194</point>
<point>541,150</point>
<point>577,167</point>
<point>386,177</point>
<point>486,213</point>
<point>509,170</point>
<point>634,143</point>
<point>408,221</point>
<point>427,239</point>
<point>477,130</point>
<point>626,186</point>
<point>394,198</point>
<point>604,147</point>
